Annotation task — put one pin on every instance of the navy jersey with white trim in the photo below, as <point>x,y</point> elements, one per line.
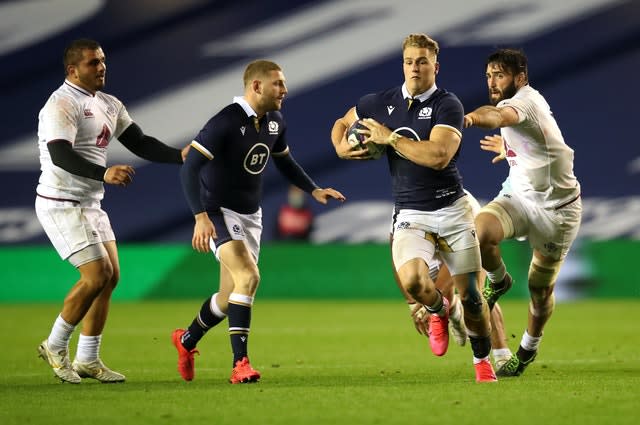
<point>415,186</point>
<point>238,155</point>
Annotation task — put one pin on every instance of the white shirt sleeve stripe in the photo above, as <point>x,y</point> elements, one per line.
<point>204,151</point>
<point>448,127</point>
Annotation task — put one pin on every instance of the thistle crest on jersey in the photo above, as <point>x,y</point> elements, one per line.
<point>425,113</point>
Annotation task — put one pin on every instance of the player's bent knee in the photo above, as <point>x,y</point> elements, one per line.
<point>412,279</point>
<point>247,282</point>
<point>417,288</point>
<point>97,274</point>
<point>543,274</point>
<point>94,284</point>
<point>470,296</point>
<point>411,282</point>
<point>542,306</point>
<point>115,278</point>
<point>542,278</point>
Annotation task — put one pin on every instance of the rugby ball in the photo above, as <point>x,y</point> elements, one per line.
<point>355,139</point>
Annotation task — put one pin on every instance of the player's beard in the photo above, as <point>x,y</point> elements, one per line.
<point>507,93</point>
<point>100,82</point>
<point>94,83</point>
<point>275,104</point>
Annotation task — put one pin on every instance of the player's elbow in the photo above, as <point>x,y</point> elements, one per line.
<point>440,159</point>
<point>337,132</point>
<point>440,165</point>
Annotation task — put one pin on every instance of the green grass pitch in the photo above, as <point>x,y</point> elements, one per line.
<point>327,362</point>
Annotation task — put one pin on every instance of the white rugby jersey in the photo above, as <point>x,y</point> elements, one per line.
<point>541,163</point>
<point>89,122</point>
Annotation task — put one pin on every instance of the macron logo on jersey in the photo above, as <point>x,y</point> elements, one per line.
<point>243,129</point>
<point>390,109</point>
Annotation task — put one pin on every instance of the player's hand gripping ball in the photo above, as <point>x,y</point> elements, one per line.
<point>355,139</point>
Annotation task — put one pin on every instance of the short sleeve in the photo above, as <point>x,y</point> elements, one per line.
<point>209,140</point>
<point>450,113</point>
<point>59,120</point>
<point>123,121</point>
<point>522,106</point>
<point>281,144</point>
<point>366,106</point>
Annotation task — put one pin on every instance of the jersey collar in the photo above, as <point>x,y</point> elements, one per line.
<point>245,105</point>
<point>422,96</point>
<point>78,88</point>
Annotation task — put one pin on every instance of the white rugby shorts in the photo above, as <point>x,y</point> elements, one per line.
<point>448,232</point>
<point>231,225</point>
<point>436,262</point>
<point>551,230</point>
<point>73,226</point>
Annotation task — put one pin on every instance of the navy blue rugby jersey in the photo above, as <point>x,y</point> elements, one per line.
<point>415,186</point>
<point>233,176</point>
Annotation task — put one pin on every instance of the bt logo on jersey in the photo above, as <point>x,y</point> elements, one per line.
<point>256,158</point>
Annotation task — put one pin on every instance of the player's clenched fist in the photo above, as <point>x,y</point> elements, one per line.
<point>120,175</point>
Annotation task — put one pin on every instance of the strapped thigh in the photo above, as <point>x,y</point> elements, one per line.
<point>499,212</point>
<point>88,254</point>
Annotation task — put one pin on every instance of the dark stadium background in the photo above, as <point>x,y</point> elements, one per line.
<point>161,55</point>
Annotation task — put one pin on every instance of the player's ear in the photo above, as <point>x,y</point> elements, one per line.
<point>256,85</point>
<point>437,67</point>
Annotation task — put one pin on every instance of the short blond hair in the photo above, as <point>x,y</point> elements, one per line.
<point>422,41</point>
<point>258,68</point>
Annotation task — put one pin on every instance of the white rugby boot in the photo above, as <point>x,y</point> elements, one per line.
<point>97,370</point>
<point>59,362</point>
<point>456,320</point>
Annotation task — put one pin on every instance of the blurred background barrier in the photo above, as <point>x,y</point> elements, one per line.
<point>176,63</point>
<point>298,271</point>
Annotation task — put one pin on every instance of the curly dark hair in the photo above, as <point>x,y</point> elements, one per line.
<point>513,61</point>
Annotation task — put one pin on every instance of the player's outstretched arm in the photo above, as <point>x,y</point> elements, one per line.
<point>491,117</point>
<point>289,168</point>
<point>323,195</point>
<point>184,152</point>
<point>150,148</point>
